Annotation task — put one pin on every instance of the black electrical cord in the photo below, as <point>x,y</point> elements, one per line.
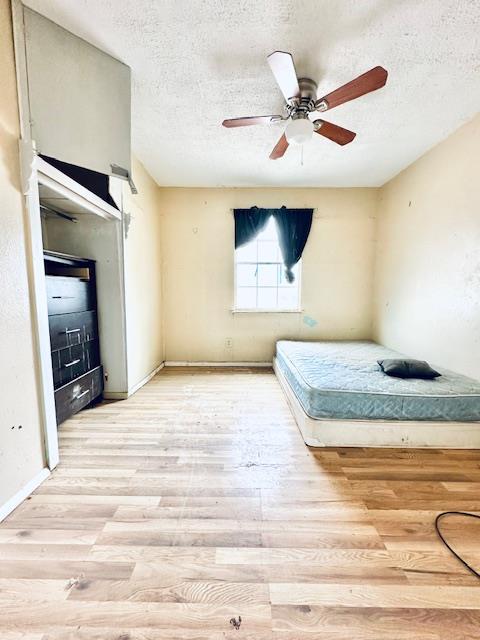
<point>437,529</point>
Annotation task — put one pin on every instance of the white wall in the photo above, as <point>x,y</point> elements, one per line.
<point>198,245</point>
<point>21,450</point>
<point>427,301</point>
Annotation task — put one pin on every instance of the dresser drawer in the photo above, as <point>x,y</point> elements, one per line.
<point>68,329</point>
<point>69,295</point>
<point>78,394</point>
<point>74,361</point>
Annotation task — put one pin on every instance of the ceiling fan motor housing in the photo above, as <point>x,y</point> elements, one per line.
<point>300,106</point>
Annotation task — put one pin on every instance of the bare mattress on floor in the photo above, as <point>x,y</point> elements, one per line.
<point>342,380</point>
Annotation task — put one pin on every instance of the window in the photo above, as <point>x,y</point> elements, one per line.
<point>260,283</point>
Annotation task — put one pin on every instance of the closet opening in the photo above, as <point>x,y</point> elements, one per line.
<point>77,251</point>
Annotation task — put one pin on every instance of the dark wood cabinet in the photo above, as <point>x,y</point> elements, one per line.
<point>70,329</point>
<point>73,322</point>
<point>79,393</point>
<point>69,295</point>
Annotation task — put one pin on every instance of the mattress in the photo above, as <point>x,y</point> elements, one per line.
<point>342,380</point>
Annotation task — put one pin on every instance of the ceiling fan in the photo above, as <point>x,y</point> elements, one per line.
<point>302,102</point>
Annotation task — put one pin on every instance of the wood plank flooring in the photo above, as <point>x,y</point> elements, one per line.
<point>196,501</point>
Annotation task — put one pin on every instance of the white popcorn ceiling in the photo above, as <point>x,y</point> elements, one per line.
<point>196,62</point>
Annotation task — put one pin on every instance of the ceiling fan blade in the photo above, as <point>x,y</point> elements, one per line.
<point>249,120</point>
<point>369,81</point>
<point>281,64</point>
<point>280,148</point>
<point>334,132</point>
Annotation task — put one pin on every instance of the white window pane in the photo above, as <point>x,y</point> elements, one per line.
<point>267,275</point>
<point>246,275</point>
<point>267,251</point>
<point>267,298</point>
<point>246,298</point>
<point>288,298</point>
<point>247,253</point>
<point>260,275</point>
<point>270,231</point>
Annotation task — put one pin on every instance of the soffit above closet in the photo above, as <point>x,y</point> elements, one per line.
<point>79,98</point>
<point>196,63</point>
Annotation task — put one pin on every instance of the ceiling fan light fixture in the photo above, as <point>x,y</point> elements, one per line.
<point>299,131</point>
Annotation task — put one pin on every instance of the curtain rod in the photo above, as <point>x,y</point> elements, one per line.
<point>58,213</point>
<point>232,209</point>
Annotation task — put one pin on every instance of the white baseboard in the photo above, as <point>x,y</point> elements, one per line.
<point>20,496</point>
<point>123,395</point>
<point>115,395</point>
<point>185,363</point>
<point>147,378</point>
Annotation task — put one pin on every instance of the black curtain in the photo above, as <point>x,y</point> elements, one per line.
<point>293,229</point>
<point>249,223</point>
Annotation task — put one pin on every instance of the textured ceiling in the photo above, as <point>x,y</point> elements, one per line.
<point>196,62</point>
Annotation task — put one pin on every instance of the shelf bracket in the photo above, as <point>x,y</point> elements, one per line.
<point>120,172</point>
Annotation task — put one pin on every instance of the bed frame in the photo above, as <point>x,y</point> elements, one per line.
<point>379,433</point>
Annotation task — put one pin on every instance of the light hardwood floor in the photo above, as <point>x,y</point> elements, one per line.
<point>196,501</point>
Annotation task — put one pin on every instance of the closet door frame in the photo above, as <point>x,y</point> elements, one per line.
<point>34,249</point>
<point>36,172</point>
<point>38,295</point>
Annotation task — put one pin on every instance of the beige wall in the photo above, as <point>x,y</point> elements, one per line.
<point>198,245</point>
<point>427,300</point>
<point>21,456</point>
<point>143,287</point>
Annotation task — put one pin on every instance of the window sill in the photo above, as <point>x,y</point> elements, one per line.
<point>267,310</point>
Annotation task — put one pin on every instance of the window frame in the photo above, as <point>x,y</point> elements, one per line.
<point>237,309</point>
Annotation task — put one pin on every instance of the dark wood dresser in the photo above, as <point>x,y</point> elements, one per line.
<point>72,315</point>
